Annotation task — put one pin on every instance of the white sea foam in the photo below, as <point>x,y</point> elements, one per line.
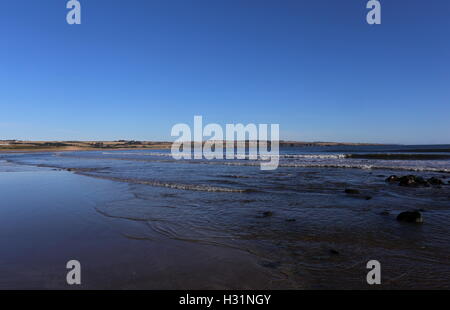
<point>312,161</point>
<point>261,156</point>
<point>191,187</point>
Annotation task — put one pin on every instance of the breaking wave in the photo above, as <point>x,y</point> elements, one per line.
<point>262,156</point>
<point>191,187</point>
<point>387,156</point>
<point>345,165</point>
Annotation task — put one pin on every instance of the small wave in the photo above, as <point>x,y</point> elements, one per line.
<point>389,156</point>
<point>139,154</point>
<point>312,156</point>
<point>337,165</point>
<point>233,176</point>
<point>191,187</point>
<point>242,155</point>
<point>369,167</point>
<point>342,161</point>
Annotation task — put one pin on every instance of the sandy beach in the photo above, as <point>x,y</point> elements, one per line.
<point>138,219</point>
<point>49,217</point>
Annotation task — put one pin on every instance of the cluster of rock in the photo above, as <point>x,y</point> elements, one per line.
<point>414,181</point>
<point>408,180</point>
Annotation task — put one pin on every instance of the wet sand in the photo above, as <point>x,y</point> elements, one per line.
<point>49,217</point>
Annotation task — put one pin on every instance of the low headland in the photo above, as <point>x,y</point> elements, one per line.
<point>53,146</point>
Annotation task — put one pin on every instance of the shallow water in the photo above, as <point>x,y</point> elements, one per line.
<point>223,204</point>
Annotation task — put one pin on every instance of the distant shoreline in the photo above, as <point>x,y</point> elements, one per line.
<point>14,146</point>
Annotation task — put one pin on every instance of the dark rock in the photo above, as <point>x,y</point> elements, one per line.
<point>435,181</point>
<point>392,179</point>
<point>271,265</point>
<point>385,213</point>
<point>413,181</point>
<point>422,181</point>
<point>334,252</point>
<point>407,180</point>
<point>448,182</point>
<point>290,220</point>
<point>267,214</point>
<point>410,217</point>
<point>357,194</point>
<point>352,191</point>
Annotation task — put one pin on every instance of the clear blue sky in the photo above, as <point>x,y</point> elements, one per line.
<point>135,68</point>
